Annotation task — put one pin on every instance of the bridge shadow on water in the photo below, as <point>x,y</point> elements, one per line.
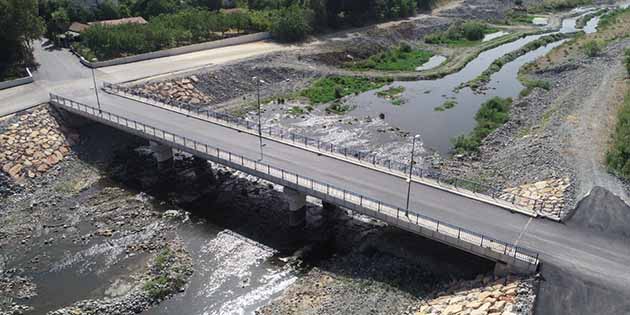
<point>348,246</point>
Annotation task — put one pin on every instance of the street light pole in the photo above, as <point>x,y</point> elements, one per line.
<point>98,101</point>
<point>259,116</point>
<point>411,163</point>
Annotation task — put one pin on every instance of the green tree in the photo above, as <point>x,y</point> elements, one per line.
<point>19,26</point>
<point>58,24</point>
<point>212,5</point>
<point>107,10</point>
<point>293,23</point>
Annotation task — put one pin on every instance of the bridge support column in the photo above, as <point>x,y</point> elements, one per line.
<point>297,207</point>
<point>162,153</point>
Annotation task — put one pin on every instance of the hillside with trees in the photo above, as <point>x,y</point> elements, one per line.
<point>174,23</point>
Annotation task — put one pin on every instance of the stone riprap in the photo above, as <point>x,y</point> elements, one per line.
<point>503,296</point>
<point>31,143</point>
<point>550,195</point>
<point>182,90</point>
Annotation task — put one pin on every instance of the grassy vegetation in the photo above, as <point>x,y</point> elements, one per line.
<point>446,105</point>
<point>491,115</point>
<point>402,58</point>
<point>394,94</point>
<point>530,85</point>
<point>328,89</point>
<point>593,48</point>
<point>460,34</point>
<point>482,79</point>
<point>165,281</point>
<point>618,155</point>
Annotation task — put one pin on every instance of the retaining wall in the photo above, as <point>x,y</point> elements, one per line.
<point>17,82</point>
<point>178,50</point>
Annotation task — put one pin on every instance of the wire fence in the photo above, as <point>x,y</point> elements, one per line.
<point>407,219</point>
<point>444,181</point>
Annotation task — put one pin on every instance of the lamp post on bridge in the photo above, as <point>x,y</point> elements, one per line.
<point>258,82</point>
<point>98,101</point>
<point>411,163</point>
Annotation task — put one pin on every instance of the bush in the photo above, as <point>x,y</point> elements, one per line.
<point>473,30</point>
<point>467,31</point>
<point>618,156</point>
<point>491,115</point>
<point>292,24</point>
<point>593,48</point>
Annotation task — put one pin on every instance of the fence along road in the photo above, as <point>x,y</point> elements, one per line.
<point>520,259</point>
<point>591,255</point>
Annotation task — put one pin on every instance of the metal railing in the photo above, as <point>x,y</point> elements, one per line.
<point>445,181</point>
<point>407,219</point>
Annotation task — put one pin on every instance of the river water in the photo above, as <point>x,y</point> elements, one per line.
<point>418,115</point>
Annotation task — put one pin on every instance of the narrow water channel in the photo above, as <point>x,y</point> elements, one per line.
<point>418,115</point>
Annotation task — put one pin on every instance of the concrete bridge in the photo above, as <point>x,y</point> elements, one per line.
<point>334,180</point>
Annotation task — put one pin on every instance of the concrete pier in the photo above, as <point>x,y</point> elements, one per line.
<point>163,154</point>
<point>297,207</point>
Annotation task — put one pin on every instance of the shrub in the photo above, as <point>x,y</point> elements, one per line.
<point>473,30</point>
<point>491,115</point>
<point>467,31</point>
<point>593,48</point>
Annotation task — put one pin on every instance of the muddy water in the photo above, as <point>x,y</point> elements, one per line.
<point>437,128</point>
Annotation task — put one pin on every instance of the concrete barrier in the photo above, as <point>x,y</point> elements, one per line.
<point>17,82</point>
<point>244,39</point>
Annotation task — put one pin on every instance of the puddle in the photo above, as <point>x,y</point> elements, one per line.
<point>494,35</point>
<point>432,63</point>
<point>540,21</point>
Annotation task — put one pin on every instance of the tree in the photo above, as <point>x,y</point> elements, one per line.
<point>212,5</point>
<point>19,26</point>
<point>151,8</point>
<point>107,10</point>
<point>293,23</point>
<point>58,24</point>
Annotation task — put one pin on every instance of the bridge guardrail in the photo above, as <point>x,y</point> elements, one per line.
<point>521,203</point>
<point>383,211</point>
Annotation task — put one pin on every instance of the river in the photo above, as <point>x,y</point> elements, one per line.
<point>418,115</point>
